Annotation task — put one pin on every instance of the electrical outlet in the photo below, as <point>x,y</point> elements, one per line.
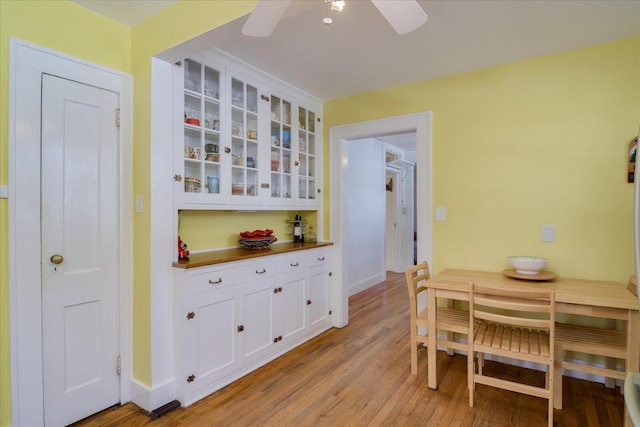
<point>549,233</point>
<point>138,204</point>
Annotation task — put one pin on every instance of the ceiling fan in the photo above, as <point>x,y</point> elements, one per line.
<point>403,15</point>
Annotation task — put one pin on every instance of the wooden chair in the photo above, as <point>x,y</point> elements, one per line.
<point>517,324</point>
<point>607,342</point>
<point>447,318</point>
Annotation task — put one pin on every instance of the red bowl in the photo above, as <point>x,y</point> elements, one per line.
<point>256,233</point>
<point>192,121</point>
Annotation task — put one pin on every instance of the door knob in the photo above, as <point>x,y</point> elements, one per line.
<point>57,259</point>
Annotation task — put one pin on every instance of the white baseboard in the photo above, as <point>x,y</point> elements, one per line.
<point>150,399</point>
<point>366,283</point>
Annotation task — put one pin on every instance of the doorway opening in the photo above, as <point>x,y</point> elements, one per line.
<point>343,140</point>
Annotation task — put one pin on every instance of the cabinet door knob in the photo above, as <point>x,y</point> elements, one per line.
<point>330,274</point>
<point>240,328</point>
<point>265,98</point>
<point>297,163</point>
<point>227,150</point>
<point>191,378</point>
<point>308,302</point>
<point>177,178</point>
<point>211,282</point>
<point>190,315</point>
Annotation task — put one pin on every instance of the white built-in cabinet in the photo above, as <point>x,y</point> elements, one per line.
<point>234,317</point>
<point>243,138</point>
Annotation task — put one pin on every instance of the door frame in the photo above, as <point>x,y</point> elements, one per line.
<point>27,63</point>
<point>339,137</point>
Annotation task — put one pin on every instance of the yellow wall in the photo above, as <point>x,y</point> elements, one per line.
<point>206,230</point>
<point>516,146</point>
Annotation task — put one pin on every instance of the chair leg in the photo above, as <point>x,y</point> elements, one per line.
<point>470,377</point>
<point>414,351</point>
<point>557,377</point>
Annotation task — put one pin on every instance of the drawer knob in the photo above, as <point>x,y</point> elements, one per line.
<point>211,282</point>
<point>320,258</point>
<point>264,270</point>
<point>294,264</point>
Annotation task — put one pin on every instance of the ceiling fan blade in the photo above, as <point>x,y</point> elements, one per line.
<point>265,17</point>
<point>403,15</point>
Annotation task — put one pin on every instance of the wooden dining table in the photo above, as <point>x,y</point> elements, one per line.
<point>595,298</point>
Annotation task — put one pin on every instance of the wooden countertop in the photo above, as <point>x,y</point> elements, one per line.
<point>239,254</point>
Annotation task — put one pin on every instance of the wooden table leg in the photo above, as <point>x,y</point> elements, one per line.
<point>431,338</point>
<point>633,351</point>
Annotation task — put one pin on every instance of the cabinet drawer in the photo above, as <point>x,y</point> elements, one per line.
<point>293,262</point>
<point>256,270</point>
<point>211,279</point>
<point>319,257</point>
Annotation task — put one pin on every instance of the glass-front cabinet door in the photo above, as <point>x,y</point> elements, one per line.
<point>202,124</point>
<point>245,153</point>
<point>281,154</point>
<point>306,162</point>
<point>244,139</point>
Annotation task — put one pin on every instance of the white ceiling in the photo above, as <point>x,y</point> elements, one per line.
<point>360,52</point>
<point>127,12</point>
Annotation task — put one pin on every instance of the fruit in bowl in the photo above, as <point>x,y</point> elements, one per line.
<point>527,264</point>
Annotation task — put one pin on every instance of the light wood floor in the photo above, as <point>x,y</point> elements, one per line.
<point>360,376</point>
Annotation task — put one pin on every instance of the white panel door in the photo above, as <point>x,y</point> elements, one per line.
<point>80,319</point>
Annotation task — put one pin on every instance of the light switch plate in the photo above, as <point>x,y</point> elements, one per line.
<point>4,192</point>
<point>440,213</point>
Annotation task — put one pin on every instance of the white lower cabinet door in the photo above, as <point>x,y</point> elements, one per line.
<point>319,299</point>
<point>211,332</point>
<point>289,307</point>
<point>257,334</point>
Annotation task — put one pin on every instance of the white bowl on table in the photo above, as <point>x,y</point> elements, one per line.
<point>527,264</point>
